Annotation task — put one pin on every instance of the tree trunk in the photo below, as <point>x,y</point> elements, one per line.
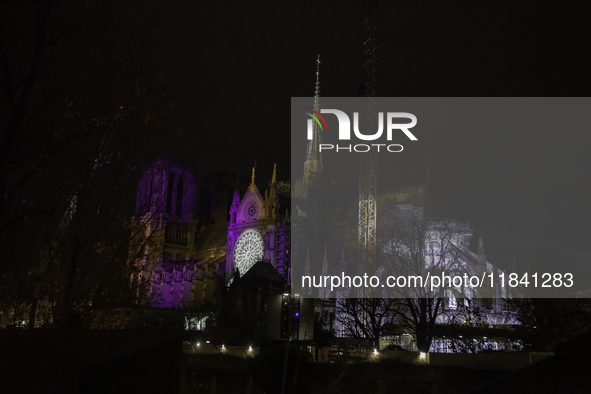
<point>423,340</point>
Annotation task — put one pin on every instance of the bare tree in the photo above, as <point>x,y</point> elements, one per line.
<point>415,246</point>
<point>548,322</point>
<point>82,117</point>
<point>365,317</point>
<point>18,76</point>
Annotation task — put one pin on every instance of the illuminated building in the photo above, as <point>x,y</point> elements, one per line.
<point>326,244</point>
<point>193,234</point>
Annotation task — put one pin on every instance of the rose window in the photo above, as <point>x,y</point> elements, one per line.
<point>248,250</point>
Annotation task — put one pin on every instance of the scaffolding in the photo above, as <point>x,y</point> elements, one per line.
<point>369,160</point>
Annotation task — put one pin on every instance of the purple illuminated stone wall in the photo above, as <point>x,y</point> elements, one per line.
<point>169,187</point>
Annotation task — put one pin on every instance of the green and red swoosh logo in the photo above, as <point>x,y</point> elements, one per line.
<point>315,115</point>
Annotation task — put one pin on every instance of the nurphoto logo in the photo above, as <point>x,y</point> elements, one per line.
<point>345,130</point>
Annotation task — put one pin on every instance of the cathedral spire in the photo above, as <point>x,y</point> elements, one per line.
<point>313,156</point>
<point>252,178</point>
<point>317,138</point>
<point>317,91</point>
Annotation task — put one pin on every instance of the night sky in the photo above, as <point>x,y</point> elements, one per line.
<point>232,68</point>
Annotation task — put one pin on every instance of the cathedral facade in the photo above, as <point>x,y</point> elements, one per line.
<point>194,235</point>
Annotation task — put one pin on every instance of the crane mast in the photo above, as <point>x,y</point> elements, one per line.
<point>369,161</point>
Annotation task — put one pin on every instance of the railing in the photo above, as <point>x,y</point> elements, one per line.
<point>176,234</point>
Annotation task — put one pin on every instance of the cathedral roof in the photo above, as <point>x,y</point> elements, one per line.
<point>344,208</point>
<point>415,194</point>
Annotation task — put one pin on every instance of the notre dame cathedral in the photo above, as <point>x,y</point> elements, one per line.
<point>220,241</point>
<point>195,236</point>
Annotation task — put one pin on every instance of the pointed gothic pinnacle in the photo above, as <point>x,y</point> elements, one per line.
<point>236,199</point>
<point>274,178</point>
<point>252,179</point>
<point>480,246</point>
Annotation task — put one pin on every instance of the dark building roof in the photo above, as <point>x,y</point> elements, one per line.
<point>262,274</point>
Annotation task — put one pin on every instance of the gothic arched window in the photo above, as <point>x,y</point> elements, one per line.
<point>179,196</point>
<point>169,190</point>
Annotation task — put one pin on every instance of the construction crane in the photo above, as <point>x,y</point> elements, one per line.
<point>369,161</point>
